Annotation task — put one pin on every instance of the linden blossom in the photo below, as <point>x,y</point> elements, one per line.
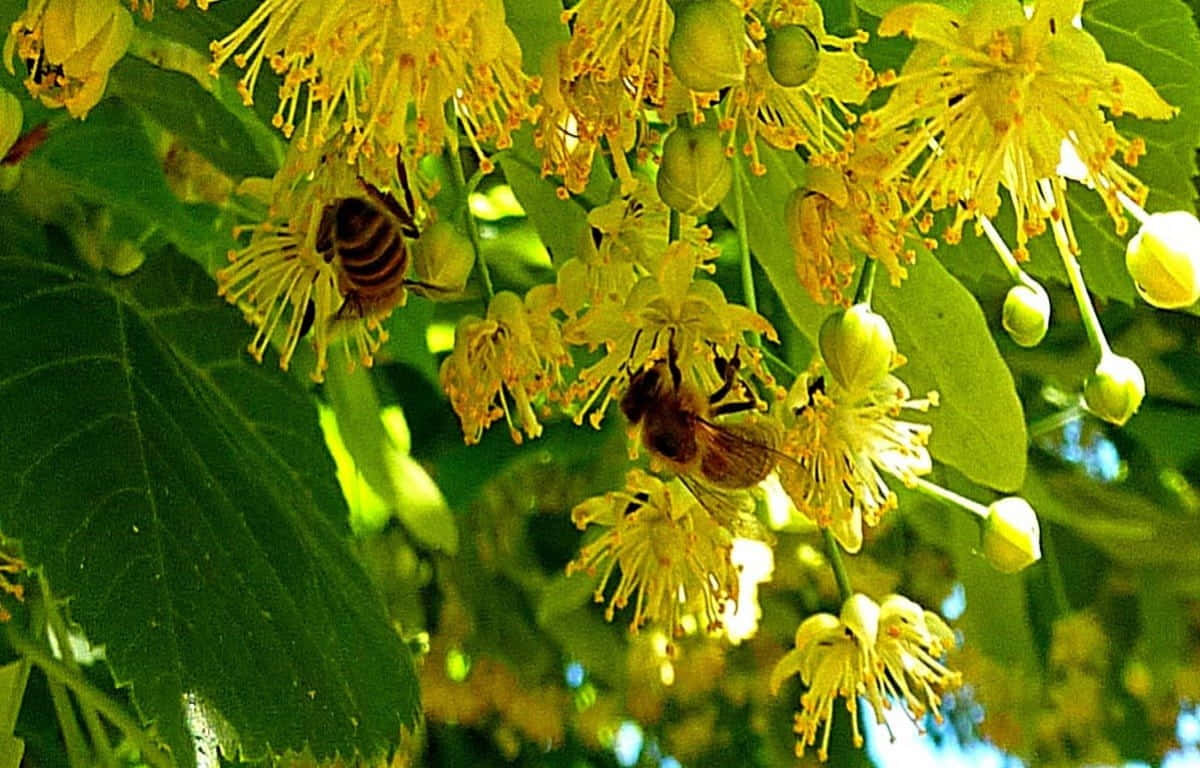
<point>672,554</point>
<point>988,98</point>
<point>420,57</point>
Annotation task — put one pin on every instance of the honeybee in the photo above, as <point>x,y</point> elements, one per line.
<point>715,458</point>
<point>364,237</point>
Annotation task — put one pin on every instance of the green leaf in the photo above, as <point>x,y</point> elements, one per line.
<point>400,482</point>
<point>181,105</point>
<point>12,690</point>
<point>979,427</point>
<point>183,501</point>
<point>764,198</point>
<point>562,224</point>
<point>537,25</point>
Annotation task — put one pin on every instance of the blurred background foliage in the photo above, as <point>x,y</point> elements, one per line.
<point>1086,658</point>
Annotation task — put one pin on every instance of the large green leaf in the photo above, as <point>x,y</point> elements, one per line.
<point>182,499</point>
<point>979,427</point>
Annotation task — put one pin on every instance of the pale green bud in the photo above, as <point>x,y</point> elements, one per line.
<point>707,45</point>
<point>1163,259</point>
<point>792,55</point>
<point>1115,390</point>
<point>695,174</point>
<point>10,121</point>
<point>1011,537</point>
<point>444,258</point>
<point>857,347</point>
<point>125,259</point>
<point>1026,314</point>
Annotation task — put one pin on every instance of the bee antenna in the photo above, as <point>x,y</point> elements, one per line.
<point>672,360</point>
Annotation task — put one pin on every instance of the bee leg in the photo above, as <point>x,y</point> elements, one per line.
<point>404,218</point>
<point>324,240</point>
<point>421,287</point>
<point>737,406</point>
<point>728,369</point>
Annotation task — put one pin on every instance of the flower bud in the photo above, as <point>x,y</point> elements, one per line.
<point>1163,259</point>
<point>1011,538</point>
<point>707,45</point>
<point>860,614</point>
<point>72,45</point>
<point>124,259</point>
<point>10,121</point>
<point>442,257</point>
<point>857,347</point>
<point>1026,314</point>
<point>792,55</point>
<point>695,175</point>
<point>1115,390</point>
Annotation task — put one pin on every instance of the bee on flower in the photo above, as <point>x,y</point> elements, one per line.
<point>674,558</point>
<point>992,97</point>
<point>69,48</point>
<point>667,315</point>
<point>880,652</point>
<point>514,353</point>
<point>334,266</point>
<point>366,69</point>
<point>844,431</point>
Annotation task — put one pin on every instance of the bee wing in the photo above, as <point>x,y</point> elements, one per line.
<point>753,445</point>
<point>733,509</point>
<point>738,454</point>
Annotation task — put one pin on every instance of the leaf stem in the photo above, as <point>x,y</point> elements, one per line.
<point>743,239</point>
<point>60,674</point>
<point>77,751</point>
<point>935,491</point>
<point>778,362</point>
<point>866,282</point>
<point>1054,421</point>
<point>833,551</point>
<point>1067,249</point>
<point>1006,255</point>
<point>456,167</point>
<point>673,226</point>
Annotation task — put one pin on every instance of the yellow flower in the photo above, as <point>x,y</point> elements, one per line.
<point>579,114</point>
<point>813,115</point>
<point>365,67</point>
<point>515,352</point>
<point>992,97</point>
<point>834,657</point>
<point>621,41</point>
<point>842,442</point>
<point>673,556</point>
<point>69,47</point>
<point>910,643</point>
<point>844,210</point>
<point>668,311</point>
<point>877,651</point>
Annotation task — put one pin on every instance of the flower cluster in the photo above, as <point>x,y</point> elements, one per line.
<point>385,75</point>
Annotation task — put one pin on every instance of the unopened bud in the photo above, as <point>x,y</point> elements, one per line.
<point>443,258</point>
<point>1011,537</point>
<point>707,45</point>
<point>124,259</point>
<point>860,615</point>
<point>1163,259</point>
<point>10,121</point>
<point>1115,390</point>
<point>695,174</point>
<point>792,55</point>
<point>1026,314</point>
<point>857,347</point>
